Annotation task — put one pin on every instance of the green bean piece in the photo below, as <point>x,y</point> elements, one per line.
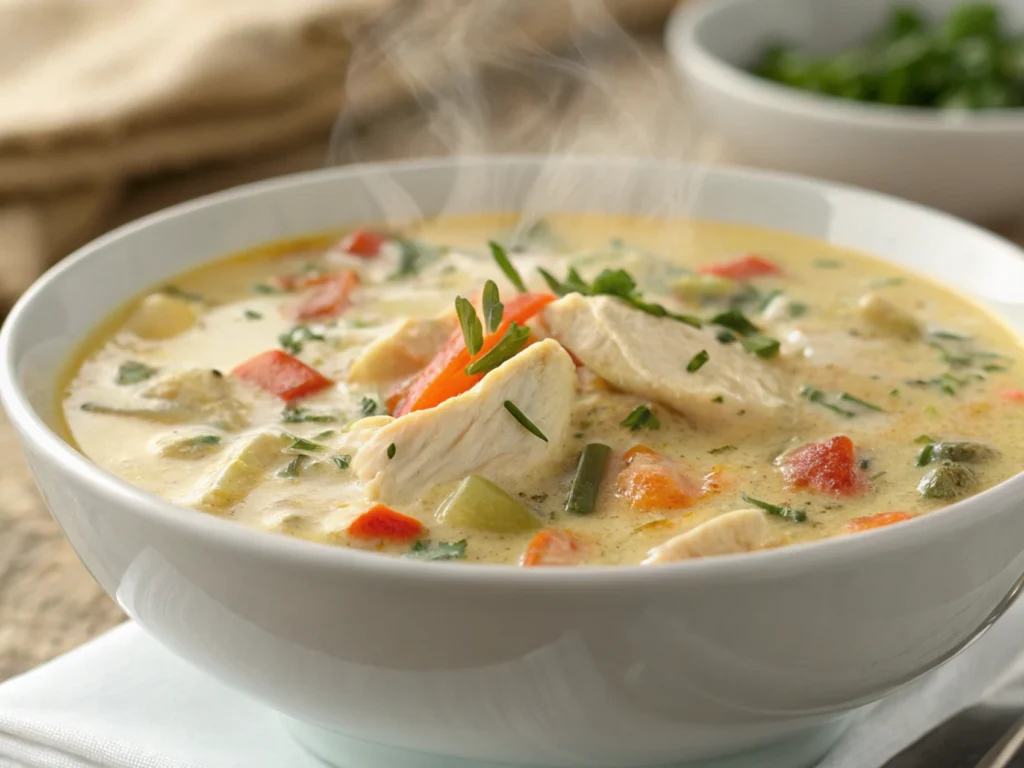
<point>587,482</point>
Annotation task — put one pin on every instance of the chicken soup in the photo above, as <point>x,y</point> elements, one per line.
<point>590,389</point>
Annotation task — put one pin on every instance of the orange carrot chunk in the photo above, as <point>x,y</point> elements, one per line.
<point>742,268</point>
<point>829,467</point>
<point>651,482</point>
<point>328,298</point>
<point>445,376</point>
<point>281,374</point>
<point>876,521</point>
<point>380,522</point>
<point>363,242</point>
<point>552,548</point>
<point>1014,395</point>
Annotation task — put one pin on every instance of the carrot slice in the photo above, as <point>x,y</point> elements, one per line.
<point>328,298</point>
<point>552,547</point>
<point>876,521</point>
<point>828,467</point>
<point>445,376</point>
<point>380,522</point>
<point>1014,395</point>
<point>363,242</point>
<point>652,482</point>
<point>638,450</point>
<point>742,268</point>
<point>281,374</point>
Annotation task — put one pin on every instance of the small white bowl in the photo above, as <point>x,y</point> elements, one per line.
<point>371,656</point>
<point>970,164</point>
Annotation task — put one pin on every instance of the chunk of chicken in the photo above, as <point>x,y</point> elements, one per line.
<point>190,396</point>
<point>648,356</point>
<point>743,530</point>
<point>249,464</point>
<point>160,316</point>
<point>887,319</point>
<point>474,433</point>
<point>401,353</point>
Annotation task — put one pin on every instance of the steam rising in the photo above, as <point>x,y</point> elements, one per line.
<point>483,77</point>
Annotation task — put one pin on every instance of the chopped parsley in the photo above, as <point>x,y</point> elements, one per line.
<point>200,441</point>
<point>762,346</point>
<point>717,399</point>
<point>302,444</point>
<point>301,415</point>
<point>641,417</point>
<point>519,416</point>
<point>252,314</point>
<point>785,512</point>
<point>697,361</point>
<point>853,399</point>
<point>924,439</point>
<point>725,337</point>
<point>293,467</point>
<point>341,460</point>
<point>509,345</point>
<point>501,258</point>
<point>472,330</point>
<point>885,282</point>
<point>797,309</point>
<point>264,289</point>
<point>442,550</point>
<point>368,406</point>
<point>178,293</point>
<point>391,451</point>
<point>722,449</point>
<point>324,435</point>
<point>736,321</point>
<point>133,372</point>
<point>817,396</point>
<point>493,308</point>
<point>410,256</point>
<point>925,456</point>
<point>292,341</point>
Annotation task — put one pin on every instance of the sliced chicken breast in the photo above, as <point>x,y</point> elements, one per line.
<point>741,531</point>
<point>474,433</point>
<point>648,356</point>
<point>407,349</point>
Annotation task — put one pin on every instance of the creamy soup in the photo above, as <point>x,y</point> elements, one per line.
<point>587,390</point>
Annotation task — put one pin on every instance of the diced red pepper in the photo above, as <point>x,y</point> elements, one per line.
<point>742,268</point>
<point>552,547</point>
<point>880,520</point>
<point>1014,395</point>
<point>329,297</point>
<point>380,522</point>
<point>363,242</point>
<point>281,374</point>
<point>829,467</point>
<point>445,376</point>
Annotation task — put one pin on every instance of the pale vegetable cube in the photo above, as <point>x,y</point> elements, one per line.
<point>698,288</point>
<point>248,465</point>
<point>886,318</point>
<point>160,316</point>
<point>481,505</point>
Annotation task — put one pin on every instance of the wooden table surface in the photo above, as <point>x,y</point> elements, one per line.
<point>48,602</point>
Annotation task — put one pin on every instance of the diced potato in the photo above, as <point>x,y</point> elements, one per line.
<point>160,316</point>
<point>698,288</point>
<point>886,318</point>
<point>481,505</point>
<point>248,465</point>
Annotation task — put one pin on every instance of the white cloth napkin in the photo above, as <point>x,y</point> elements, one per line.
<point>122,701</point>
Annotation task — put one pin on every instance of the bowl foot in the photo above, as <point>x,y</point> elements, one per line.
<point>336,749</point>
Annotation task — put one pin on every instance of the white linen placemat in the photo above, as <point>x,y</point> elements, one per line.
<point>122,701</point>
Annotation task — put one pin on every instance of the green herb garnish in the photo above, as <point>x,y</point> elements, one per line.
<point>341,460</point>
<point>519,416</point>
<point>324,435</point>
<point>924,439</point>
<point>442,550</point>
<point>827,263</point>
<point>293,340</point>
<point>391,451</point>
<point>925,456</point>
<point>641,417</point>
<point>697,361</point>
<point>252,314</point>
<point>506,348</point>
<point>410,254</point>
<point>178,293</point>
<point>200,441</point>
<point>301,415</point>
<point>264,289</point>
<point>302,444</point>
<point>368,406</point>
<point>785,512</point>
<point>498,252</point>
<point>762,346</point>
<point>736,321</point>
<point>134,372</point>
<point>815,395</point>
<point>853,399</point>
<point>293,467</point>
<point>493,308</point>
<point>722,449</point>
<point>472,330</point>
<point>717,399</point>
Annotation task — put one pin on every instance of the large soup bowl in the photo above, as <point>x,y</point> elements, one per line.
<point>373,660</point>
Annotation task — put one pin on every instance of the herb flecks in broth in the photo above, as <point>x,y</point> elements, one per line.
<point>605,392</point>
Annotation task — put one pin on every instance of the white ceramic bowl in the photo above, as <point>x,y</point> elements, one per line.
<point>560,667</point>
<point>969,164</point>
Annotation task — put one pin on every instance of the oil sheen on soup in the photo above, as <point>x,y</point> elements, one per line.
<point>584,390</point>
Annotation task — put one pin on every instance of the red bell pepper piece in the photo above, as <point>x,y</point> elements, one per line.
<point>328,297</point>
<point>829,467</point>
<point>281,374</point>
<point>380,522</point>
<point>742,268</point>
<point>876,521</point>
<point>363,242</point>
<point>552,547</point>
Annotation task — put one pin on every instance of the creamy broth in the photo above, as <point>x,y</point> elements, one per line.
<point>924,384</point>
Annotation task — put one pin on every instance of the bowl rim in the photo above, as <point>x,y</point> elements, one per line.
<point>792,559</point>
<point>682,40</point>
